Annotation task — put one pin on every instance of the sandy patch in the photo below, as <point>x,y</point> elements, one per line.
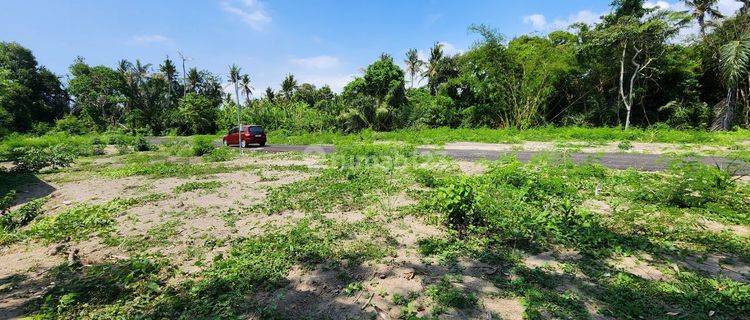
<point>505,308</point>
<point>471,168</point>
<point>717,265</point>
<point>641,266</point>
<point>742,231</point>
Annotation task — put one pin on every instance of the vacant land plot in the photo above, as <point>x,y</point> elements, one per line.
<point>372,231</point>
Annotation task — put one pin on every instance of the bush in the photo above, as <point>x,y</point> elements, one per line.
<point>72,125</point>
<point>457,202</point>
<point>33,159</point>
<point>21,216</point>
<point>220,155</point>
<point>625,145</point>
<point>202,146</point>
<point>141,144</point>
<point>693,184</point>
<point>6,200</point>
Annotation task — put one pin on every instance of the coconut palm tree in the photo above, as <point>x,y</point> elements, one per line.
<point>436,56</point>
<point>170,72</point>
<point>234,78</point>
<point>413,64</point>
<point>246,88</point>
<point>734,62</point>
<point>193,79</point>
<point>270,95</point>
<point>288,86</point>
<point>703,9</point>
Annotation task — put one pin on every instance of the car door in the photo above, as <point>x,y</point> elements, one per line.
<point>233,136</point>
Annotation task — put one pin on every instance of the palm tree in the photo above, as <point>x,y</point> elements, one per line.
<point>234,78</point>
<point>270,95</point>
<point>413,64</point>
<point>246,88</point>
<point>170,71</point>
<point>436,56</point>
<point>745,5</point>
<point>734,62</point>
<point>193,79</point>
<point>288,86</point>
<point>703,9</point>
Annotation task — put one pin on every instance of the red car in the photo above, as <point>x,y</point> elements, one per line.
<point>251,134</point>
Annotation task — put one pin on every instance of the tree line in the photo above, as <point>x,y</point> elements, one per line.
<point>636,67</point>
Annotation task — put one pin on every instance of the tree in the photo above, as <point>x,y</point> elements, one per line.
<point>198,114</point>
<point>703,9</point>
<point>234,78</point>
<point>735,60</point>
<point>413,65</point>
<point>288,86</point>
<point>32,93</point>
<point>246,88</point>
<point>98,93</point>
<point>270,95</point>
<point>638,41</point>
<point>433,65</point>
<point>379,97</point>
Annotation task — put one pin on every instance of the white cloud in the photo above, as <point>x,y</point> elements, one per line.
<point>251,12</point>
<point>450,49</point>
<point>658,4</point>
<point>337,82</point>
<point>151,38</point>
<point>536,20</point>
<point>540,22</point>
<point>728,7</point>
<point>319,62</point>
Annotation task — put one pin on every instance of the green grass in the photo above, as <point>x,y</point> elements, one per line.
<point>198,185</point>
<point>441,136</point>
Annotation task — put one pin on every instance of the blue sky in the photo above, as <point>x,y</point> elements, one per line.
<point>319,41</point>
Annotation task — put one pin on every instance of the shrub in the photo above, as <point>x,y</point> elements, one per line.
<point>625,145</point>
<point>202,146</point>
<point>34,159</point>
<point>141,144</point>
<point>220,155</point>
<point>21,216</point>
<point>72,125</point>
<point>457,202</point>
<point>6,200</point>
<point>693,184</point>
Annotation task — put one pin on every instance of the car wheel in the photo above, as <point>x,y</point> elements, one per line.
<point>243,144</point>
<point>262,144</point>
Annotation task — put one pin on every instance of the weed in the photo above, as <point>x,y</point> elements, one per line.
<point>202,146</point>
<point>21,216</point>
<point>200,185</point>
<point>625,145</point>
<point>444,294</point>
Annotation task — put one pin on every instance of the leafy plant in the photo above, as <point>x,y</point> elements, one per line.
<point>202,146</point>
<point>34,159</point>
<point>21,216</point>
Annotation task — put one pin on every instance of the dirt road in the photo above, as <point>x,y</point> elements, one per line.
<point>643,162</point>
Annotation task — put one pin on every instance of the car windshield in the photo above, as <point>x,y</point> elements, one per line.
<point>256,130</point>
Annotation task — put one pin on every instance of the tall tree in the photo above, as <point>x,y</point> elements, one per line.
<point>433,65</point>
<point>703,9</point>
<point>246,88</point>
<point>413,65</point>
<point>234,78</point>
<point>288,86</point>
<point>270,95</point>
<point>734,63</point>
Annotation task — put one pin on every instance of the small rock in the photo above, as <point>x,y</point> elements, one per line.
<point>67,202</point>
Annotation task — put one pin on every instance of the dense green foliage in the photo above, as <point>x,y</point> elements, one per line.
<point>634,67</point>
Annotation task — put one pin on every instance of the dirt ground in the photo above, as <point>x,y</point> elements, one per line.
<point>178,225</point>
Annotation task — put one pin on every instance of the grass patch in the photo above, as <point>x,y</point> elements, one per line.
<point>198,185</point>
